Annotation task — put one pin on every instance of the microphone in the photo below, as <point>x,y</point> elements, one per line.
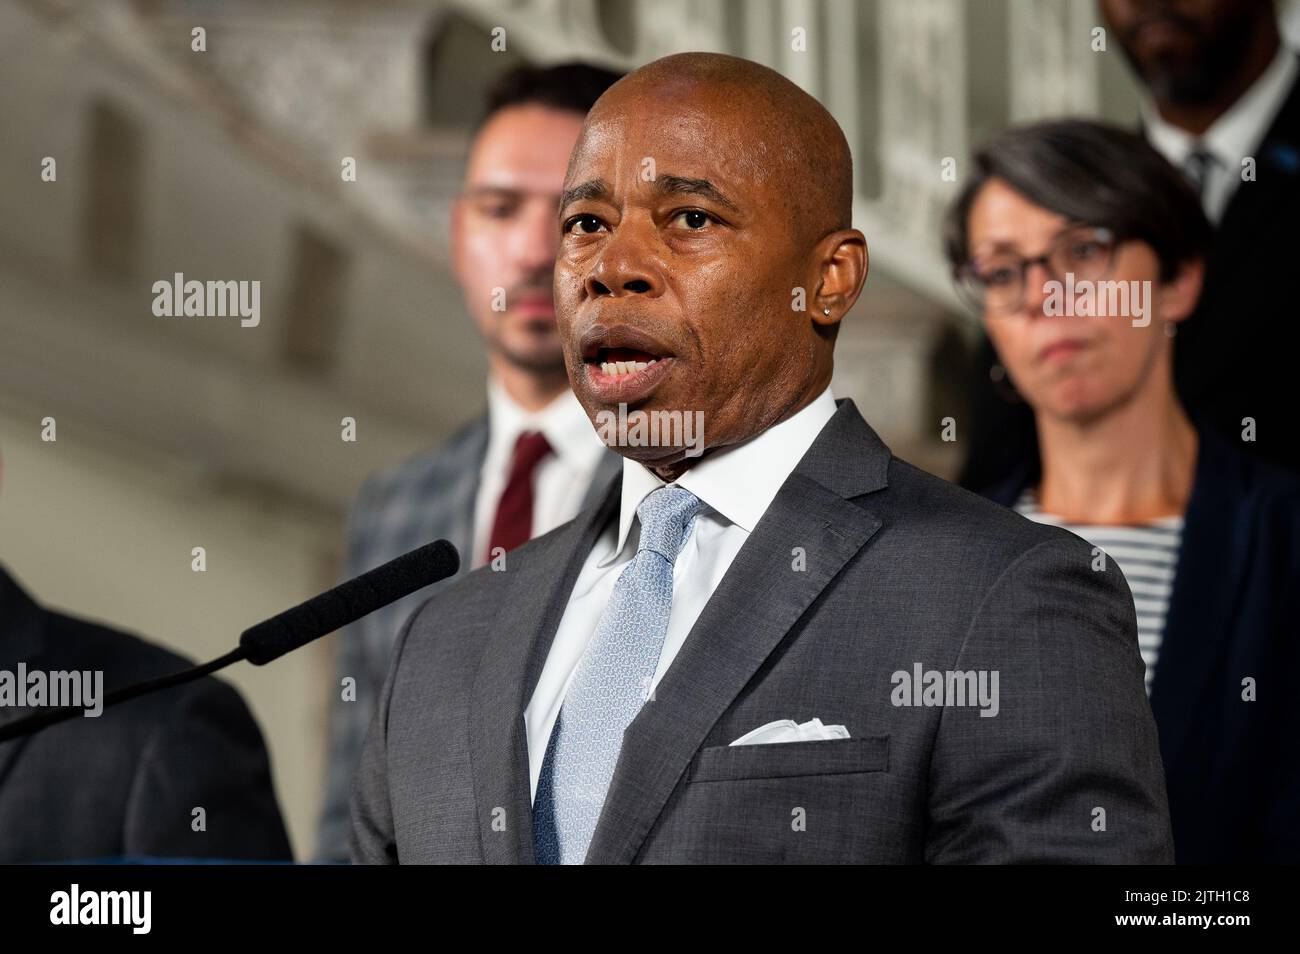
<point>348,602</point>
<point>286,631</point>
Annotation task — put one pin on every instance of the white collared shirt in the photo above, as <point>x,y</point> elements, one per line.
<point>1236,134</point>
<point>561,480</point>
<point>737,484</point>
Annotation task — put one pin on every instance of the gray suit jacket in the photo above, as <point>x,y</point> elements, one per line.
<point>429,497</point>
<point>899,568</point>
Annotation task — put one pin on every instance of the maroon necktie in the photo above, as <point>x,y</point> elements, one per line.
<point>514,520</point>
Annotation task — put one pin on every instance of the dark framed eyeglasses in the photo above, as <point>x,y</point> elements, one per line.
<point>995,283</point>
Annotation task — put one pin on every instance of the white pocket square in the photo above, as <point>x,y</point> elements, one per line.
<point>787,730</point>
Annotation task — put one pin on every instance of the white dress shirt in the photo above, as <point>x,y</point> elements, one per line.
<point>737,485</point>
<point>1236,134</point>
<point>561,480</point>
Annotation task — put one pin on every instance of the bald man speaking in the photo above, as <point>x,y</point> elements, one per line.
<point>773,641</point>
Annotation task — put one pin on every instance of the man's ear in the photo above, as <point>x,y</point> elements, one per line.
<point>1179,295</point>
<point>842,263</point>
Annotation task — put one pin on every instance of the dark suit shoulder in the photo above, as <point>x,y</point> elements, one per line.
<point>1260,502</point>
<point>75,643</point>
<point>53,640</point>
<point>141,766</point>
<point>83,644</point>
<point>1270,488</point>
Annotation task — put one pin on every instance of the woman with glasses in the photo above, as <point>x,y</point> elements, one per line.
<point>1081,248</point>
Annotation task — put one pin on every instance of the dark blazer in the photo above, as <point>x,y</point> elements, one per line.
<point>429,497</point>
<point>901,569</point>
<point>126,783</point>
<point>1233,358</point>
<point>1232,767</point>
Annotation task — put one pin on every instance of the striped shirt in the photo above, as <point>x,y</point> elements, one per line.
<point>1147,555</point>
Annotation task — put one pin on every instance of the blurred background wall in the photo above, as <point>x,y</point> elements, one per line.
<point>226,164</point>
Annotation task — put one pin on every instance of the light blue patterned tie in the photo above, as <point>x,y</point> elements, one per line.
<point>611,683</point>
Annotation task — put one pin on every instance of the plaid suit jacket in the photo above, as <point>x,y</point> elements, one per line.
<point>429,497</point>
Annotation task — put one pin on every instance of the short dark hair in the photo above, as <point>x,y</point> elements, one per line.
<point>569,87</point>
<point>1094,173</point>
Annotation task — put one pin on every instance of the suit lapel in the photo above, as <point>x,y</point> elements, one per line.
<point>1278,158</point>
<point>508,672</point>
<point>610,466</point>
<point>462,495</point>
<point>1221,333</point>
<point>757,603</point>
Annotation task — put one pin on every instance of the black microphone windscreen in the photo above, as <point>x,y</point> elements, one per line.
<point>348,602</point>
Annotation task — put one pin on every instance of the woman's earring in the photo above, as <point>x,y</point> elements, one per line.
<point>826,311</point>
<point>1002,385</point>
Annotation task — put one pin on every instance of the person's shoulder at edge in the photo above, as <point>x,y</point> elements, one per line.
<point>124,658</point>
<point>142,723</point>
<point>91,644</point>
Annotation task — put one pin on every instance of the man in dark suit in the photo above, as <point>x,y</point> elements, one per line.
<point>529,462</point>
<point>1222,102</point>
<point>791,647</point>
<point>132,780</point>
